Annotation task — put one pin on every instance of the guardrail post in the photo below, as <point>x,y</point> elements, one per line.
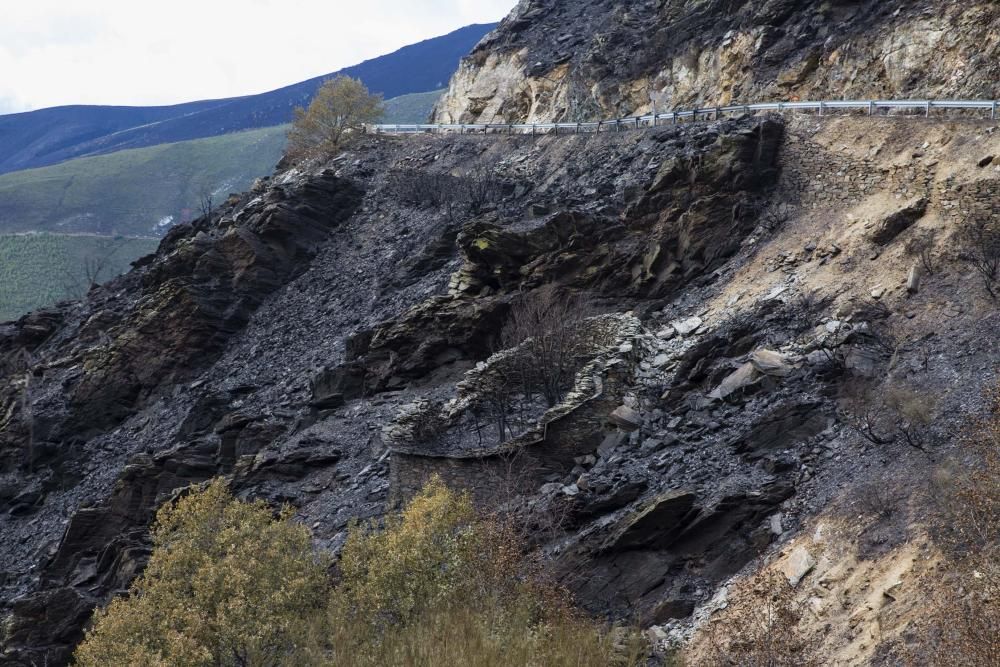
<point>673,117</point>
<point>718,113</point>
<point>871,107</point>
<point>534,128</point>
<point>578,127</point>
<point>928,108</point>
<point>637,121</point>
<point>994,114</point>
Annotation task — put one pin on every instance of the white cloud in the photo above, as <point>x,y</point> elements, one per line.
<point>125,52</point>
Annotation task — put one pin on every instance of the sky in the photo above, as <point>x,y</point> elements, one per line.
<point>55,52</point>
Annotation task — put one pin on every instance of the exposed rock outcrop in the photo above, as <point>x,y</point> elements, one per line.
<point>574,61</point>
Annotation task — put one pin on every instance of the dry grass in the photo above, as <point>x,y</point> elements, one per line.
<point>963,623</point>
<point>759,628</point>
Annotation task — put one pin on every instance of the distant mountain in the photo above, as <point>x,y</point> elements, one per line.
<point>49,136</point>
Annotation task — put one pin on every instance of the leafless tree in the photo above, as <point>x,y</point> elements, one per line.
<point>979,246</point>
<point>921,246</point>
<point>551,326</point>
<point>206,201</point>
<point>886,415</point>
<point>95,268</point>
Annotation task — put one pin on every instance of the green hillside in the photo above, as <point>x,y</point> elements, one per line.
<point>137,192</point>
<point>141,192</point>
<point>415,108</point>
<point>39,269</point>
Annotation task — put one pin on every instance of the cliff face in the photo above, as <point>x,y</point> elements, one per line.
<point>322,339</point>
<point>570,61</point>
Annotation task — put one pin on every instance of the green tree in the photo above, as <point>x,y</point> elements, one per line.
<point>439,585</point>
<point>228,583</point>
<point>339,109</point>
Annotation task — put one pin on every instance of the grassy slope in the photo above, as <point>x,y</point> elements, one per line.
<point>415,108</point>
<point>130,192</point>
<point>39,269</point>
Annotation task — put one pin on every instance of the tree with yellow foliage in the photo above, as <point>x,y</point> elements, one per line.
<point>227,584</point>
<point>341,107</point>
<point>437,585</point>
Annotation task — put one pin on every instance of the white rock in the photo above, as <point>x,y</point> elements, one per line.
<point>661,360</point>
<point>688,326</point>
<point>798,565</point>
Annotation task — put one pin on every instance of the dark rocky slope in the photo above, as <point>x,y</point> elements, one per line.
<point>289,341</point>
<point>209,357</point>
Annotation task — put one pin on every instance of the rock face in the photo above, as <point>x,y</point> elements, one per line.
<point>318,342</point>
<point>589,59</point>
<point>247,343</point>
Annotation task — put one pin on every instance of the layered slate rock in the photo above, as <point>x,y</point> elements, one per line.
<point>77,372</point>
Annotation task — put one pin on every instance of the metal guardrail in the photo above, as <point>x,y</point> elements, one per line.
<point>674,117</point>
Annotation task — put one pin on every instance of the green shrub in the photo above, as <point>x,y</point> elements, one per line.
<point>437,586</point>
<point>227,584</point>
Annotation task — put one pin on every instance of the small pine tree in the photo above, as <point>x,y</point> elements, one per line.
<point>342,105</point>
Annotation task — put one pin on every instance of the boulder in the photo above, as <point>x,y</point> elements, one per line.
<point>913,279</point>
<point>772,363</point>
<point>657,524</point>
<point>739,379</point>
<point>688,326</point>
<point>626,418</point>
<point>893,225</point>
<point>862,361</point>
<point>798,564</point>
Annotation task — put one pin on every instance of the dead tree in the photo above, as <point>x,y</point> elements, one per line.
<point>550,326</point>
<point>979,246</point>
<point>95,269</point>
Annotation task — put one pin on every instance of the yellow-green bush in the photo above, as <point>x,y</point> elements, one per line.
<point>227,584</point>
<point>437,585</point>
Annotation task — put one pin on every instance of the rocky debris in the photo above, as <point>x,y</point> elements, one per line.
<point>334,347</point>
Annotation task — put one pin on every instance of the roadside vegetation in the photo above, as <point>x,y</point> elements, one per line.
<point>230,583</point>
<point>336,116</point>
<point>37,270</point>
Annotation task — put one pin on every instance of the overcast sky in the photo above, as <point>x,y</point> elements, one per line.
<point>55,52</point>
